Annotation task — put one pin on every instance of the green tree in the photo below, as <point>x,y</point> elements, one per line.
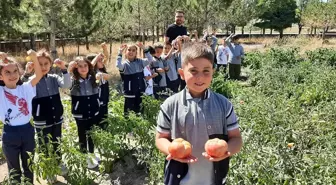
<point>318,14</point>
<point>241,12</point>
<point>277,15</point>
<point>8,13</point>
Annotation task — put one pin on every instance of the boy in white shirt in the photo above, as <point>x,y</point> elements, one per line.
<point>149,82</point>
<point>222,56</point>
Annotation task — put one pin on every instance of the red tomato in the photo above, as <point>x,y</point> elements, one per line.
<point>216,147</point>
<point>180,148</point>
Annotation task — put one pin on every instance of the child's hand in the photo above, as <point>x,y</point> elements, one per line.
<point>3,55</point>
<point>59,63</point>
<point>155,75</point>
<point>122,48</point>
<point>205,32</point>
<point>29,67</point>
<point>140,45</point>
<point>103,45</point>
<point>160,70</point>
<point>98,76</point>
<point>227,154</point>
<point>32,54</point>
<point>101,56</point>
<point>185,38</point>
<point>72,66</point>
<point>190,159</point>
<point>179,38</point>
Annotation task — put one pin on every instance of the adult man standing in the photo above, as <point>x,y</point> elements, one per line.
<point>176,29</point>
<point>172,32</point>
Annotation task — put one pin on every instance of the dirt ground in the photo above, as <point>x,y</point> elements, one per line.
<point>125,172</point>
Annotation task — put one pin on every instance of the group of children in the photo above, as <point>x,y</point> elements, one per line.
<point>36,94</point>
<point>158,74</point>
<point>152,76</point>
<point>195,113</point>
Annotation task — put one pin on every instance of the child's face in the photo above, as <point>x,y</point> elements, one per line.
<point>236,41</point>
<point>10,75</point>
<point>131,53</point>
<point>158,52</point>
<point>45,65</point>
<point>83,68</point>
<point>223,42</point>
<point>197,75</point>
<point>167,48</point>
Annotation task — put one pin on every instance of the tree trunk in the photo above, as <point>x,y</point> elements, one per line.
<point>110,55</point>
<point>281,33</point>
<point>157,33</point>
<point>271,32</point>
<point>153,33</point>
<point>53,35</point>
<point>164,30</point>
<point>263,31</point>
<point>139,20</point>
<point>206,13</point>
<point>250,33</point>
<point>78,41</point>
<point>32,41</point>
<point>242,30</point>
<point>300,28</point>
<point>21,44</point>
<point>63,44</point>
<point>324,32</point>
<point>87,43</point>
<point>314,31</point>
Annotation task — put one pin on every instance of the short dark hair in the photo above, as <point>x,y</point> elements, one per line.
<point>195,50</point>
<point>91,56</point>
<point>235,37</point>
<point>150,49</point>
<point>167,43</point>
<point>158,46</point>
<point>179,11</point>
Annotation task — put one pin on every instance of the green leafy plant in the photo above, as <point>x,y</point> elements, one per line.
<point>45,161</point>
<point>76,161</point>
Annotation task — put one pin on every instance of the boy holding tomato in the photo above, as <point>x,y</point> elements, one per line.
<point>196,114</point>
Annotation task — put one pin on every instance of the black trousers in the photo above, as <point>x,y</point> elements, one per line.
<point>133,103</point>
<point>103,114</point>
<point>221,67</point>
<point>159,92</point>
<point>84,127</point>
<point>234,71</point>
<point>55,131</point>
<point>173,85</point>
<point>17,141</point>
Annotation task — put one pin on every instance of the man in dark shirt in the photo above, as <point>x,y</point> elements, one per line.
<point>176,29</point>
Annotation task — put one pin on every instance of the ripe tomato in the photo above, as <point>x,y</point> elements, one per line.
<point>180,148</point>
<point>216,147</point>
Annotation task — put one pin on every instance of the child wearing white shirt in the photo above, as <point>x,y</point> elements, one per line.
<point>15,112</point>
